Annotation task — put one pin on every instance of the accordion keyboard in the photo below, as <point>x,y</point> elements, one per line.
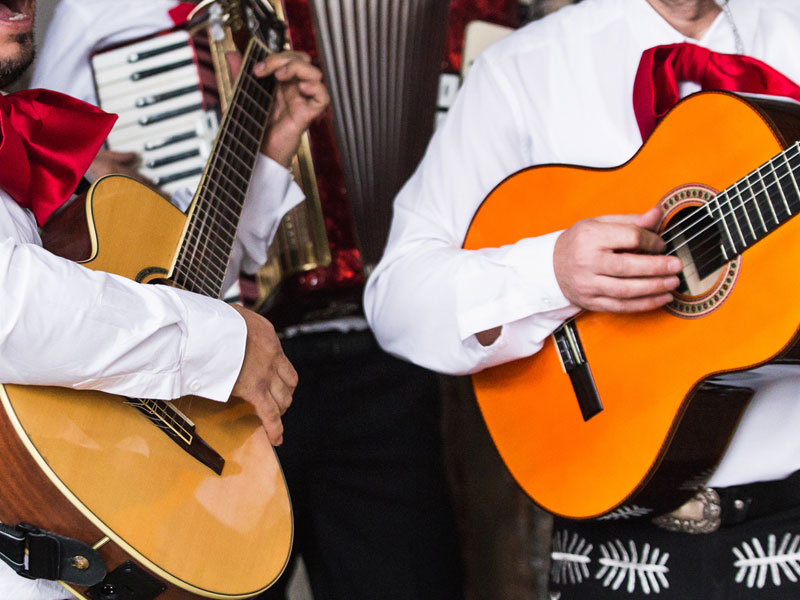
<point>159,88</point>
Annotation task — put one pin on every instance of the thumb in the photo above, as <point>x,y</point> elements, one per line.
<point>650,219</point>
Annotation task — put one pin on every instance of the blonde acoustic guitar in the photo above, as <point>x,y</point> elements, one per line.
<point>633,411</point>
<point>190,492</point>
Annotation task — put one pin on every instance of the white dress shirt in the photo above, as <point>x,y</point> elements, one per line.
<point>92,330</point>
<point>557,91</point>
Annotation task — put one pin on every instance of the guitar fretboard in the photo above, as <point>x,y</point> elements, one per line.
<point>742,214</point>
<point>217,206</point>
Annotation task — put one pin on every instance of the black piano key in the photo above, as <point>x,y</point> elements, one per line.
<point>173,139</point>
<point>178,176</point>
<point>137,56</point>
<point>173,158</point>
<point>139,75</point>
<point>169,114</point>
<point>156,98</point>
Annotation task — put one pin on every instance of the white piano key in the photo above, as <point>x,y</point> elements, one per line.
<point>117,56</point>
<point>128,72</point>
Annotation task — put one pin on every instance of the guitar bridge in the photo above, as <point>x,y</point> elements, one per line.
<point>180,429</point>
<point>570,352</point>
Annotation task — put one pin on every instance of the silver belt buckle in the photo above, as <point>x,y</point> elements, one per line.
<point>701,514</point>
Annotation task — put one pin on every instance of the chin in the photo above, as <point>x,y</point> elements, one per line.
<point>16,55</point>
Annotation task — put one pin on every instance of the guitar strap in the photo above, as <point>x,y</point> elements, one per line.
<point>38,554</point>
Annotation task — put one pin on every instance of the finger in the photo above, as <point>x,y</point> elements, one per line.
<point>630,305</point>
<point>300,71</point>
<point>269,413</point>
<point>625,289</point>
<point>629,237</point>
<point>650,219</point>
<point>287,373</point>
<point>281,394</point>
<point>275,61</point>
<point>627,219</point>
<point>315,92</point>
<point>625,264</point>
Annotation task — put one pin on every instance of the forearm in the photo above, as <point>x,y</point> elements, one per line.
<point>427,304</point>
<point>68,326</point>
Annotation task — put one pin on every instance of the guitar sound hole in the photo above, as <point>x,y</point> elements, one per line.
<point>694,237</point>
<point>697,238</point>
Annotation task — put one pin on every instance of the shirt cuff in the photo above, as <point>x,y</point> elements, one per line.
<point>271,194</point>
<point>508,284</point>
<point>214,348</point>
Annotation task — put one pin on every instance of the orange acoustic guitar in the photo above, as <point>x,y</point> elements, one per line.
<point>186,500</point>
<point>633,411</point>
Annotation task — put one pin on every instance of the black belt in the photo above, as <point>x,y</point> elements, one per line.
<point>741,502</point>
<point>712,508</point>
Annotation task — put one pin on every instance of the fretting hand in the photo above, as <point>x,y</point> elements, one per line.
<point>300,97</point>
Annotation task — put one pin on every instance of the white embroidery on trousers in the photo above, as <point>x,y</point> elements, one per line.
<point>753,562</point>
<point>619,564</point>
<point>569,558</point>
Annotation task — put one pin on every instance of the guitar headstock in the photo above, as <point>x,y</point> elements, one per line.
<point>263,22</point>
<point>244,19</point>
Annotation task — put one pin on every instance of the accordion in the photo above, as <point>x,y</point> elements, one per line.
<point>376,59</point>
<point>164,90</point>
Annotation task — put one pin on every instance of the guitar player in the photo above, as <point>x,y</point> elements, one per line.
<point>372,512</point>
<point>560,90</point>
<point>65,325</point>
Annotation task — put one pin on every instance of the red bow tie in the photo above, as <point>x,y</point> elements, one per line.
<point>48,142</point>
<point>655,90</point>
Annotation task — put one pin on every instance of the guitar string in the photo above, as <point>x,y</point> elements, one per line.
<point>789,173</point>
<point>205,222</point>
<point>724,192</point>
<point>201,221</point>
<point>208,221</point>
<point>746,205</point>
<point>729,202</point>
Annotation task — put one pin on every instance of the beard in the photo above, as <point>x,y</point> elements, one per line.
<point>13,67</point>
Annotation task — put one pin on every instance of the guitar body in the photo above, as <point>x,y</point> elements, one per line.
<point>87,466</point>
<point>667,379</point>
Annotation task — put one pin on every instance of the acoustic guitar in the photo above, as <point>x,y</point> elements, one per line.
<point>631,412</point>
<point>180,499</point>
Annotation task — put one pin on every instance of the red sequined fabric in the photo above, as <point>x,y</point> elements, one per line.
<point>462,12</point>
<point>345,269</point>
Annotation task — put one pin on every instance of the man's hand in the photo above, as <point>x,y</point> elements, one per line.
<point>300,97</point>
<point>613,264</point>
<point>267,378</point>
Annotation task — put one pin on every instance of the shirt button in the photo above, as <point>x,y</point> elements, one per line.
<point>547,302</point>
<point>194,386</point>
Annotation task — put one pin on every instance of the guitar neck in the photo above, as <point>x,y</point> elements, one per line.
<point>217,206</point>
<point>741,215</point>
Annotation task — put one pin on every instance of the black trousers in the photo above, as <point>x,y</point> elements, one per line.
<point>756,559</point>
<point>363,461</point>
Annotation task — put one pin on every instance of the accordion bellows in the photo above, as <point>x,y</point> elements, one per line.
<point>382,61</point>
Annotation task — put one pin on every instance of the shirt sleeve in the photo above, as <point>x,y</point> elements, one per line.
<point>79,27</point>
<point>428,297</point>
<point>65,325</point>
<point>271,194</point>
